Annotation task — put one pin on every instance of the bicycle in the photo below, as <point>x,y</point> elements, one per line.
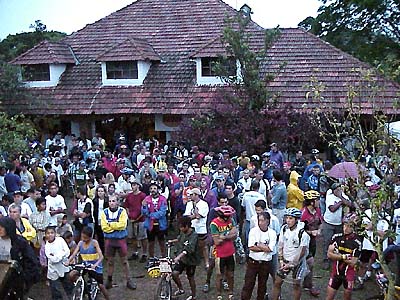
<point>162,267</point>
<point>84,287</point>
<point>382,282</point>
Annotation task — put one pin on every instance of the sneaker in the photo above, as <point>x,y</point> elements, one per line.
<point>266,297</point>
<point>191,298</point>
<point>225,285</point>
<point>206,288</point>
<point>179,292</point>
<point>134,256</point>
<point>131,285</point>
<point>108,284</point>
<point>219,297</point>
<point>143,259</point>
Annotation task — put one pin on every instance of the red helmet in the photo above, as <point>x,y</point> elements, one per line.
<point>225,211</point>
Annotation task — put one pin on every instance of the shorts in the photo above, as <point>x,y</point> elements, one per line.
<point>96,276</point>
<point>298,272</point>
<point>137,231</point>
<point>223,264</point>
<point>366,255</point>
<point>180,267</point>
<point>111,246</point>
<point>156,232</point>
<point>336,281</point>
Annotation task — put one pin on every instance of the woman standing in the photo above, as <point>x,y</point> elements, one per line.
<point>100,202</point>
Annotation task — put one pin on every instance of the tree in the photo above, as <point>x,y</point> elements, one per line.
<point>16,44</point>
<point>15,134</point>
<point>367,29</point>
<point>246,114</point>
<point>365,132</point>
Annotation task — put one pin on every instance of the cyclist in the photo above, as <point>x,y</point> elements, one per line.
<point>312,218</point>
<point>292,252</point>
<point>224,233</point>
<point>188,256</point>
<point>90,252</point>
<point>344,251</point>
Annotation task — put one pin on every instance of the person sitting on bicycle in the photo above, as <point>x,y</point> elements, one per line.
<point>90,253</point>
<point>57,253</point>
<point>224,234</point>
<point>292,252</point>
<point>188,256</point>
<point>344,251</point>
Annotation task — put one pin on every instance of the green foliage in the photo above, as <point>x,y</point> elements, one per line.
<point>15,132</point>
<point>16,44</point>
<point>10,86</point>
<point>349,132</point>
<point>367,29</point>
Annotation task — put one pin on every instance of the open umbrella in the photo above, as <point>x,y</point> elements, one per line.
<point>347,169</point>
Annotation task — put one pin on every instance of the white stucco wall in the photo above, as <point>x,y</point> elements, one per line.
<point>55,74</point>
<point>143,68</point>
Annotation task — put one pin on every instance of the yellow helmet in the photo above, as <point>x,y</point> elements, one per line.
<point>154,272</point>
<point>311,195</point>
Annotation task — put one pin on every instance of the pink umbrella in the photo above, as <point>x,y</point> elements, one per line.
<point>347,169</point>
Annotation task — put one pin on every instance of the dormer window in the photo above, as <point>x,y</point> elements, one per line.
<point>208,67</point>
<point>122,70</point>
<point>39,72</point>
<point>127,63</point>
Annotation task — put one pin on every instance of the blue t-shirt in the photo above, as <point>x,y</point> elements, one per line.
<point>12,182</point>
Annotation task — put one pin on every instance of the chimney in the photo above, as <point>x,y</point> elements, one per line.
<point>246,11</point>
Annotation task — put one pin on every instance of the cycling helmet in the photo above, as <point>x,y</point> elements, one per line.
<point>225,211</point>
<point>350,218</point>
<point>293,212</point>
<point>311,195</point>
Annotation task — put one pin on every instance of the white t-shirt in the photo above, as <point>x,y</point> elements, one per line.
<point>56,252</point>
<point>199,225</point>
<point>273,224</point>
<point>26,210</point>
<point>249,199</point>
<point>290,242</point>
<point>53,203</point>
<point>333,218</point>
<point>268,237</point>
<point>382,225</point>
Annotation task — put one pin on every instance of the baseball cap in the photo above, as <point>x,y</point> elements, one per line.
<point>133,180</point>
<point>196,191</point>
<point>220,177</point>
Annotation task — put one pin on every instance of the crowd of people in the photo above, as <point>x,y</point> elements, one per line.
<point>265,211</point>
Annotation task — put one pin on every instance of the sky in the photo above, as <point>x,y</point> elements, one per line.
<point>72,15</point>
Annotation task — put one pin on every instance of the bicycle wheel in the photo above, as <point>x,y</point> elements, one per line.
<point>164,289</point>
<point>77,292</point>
<point>93,289</point>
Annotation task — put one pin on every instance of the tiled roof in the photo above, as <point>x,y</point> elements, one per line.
<point>46,53</point>
<point>130,49</point>
<point>177,31</point>
<point>214,48</point>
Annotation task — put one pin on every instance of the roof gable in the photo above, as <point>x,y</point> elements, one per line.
<point>130,49</point>
<point>46,53</point>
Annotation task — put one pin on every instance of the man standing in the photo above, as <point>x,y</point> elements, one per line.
<point>25,209</point>
<point>12,180</point>
<point>292,251</point>
<point>278,196</point>
<point>114,222</point>
<point>33,194</point>
<point>249,199</point>
<point>299,163</point>
<point>55,204</point>
<point>344,251</point>
<point>261,244</point>
<point>27,180</point>
<point>197,211</point>
<point>332,224</point>
<point>276,156</point>
<point>154,209</point>
<point>133,204</point>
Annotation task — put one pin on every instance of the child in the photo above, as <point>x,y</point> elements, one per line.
<point>62,225</point>
<point>90,252</point>
<point>188,256</point>
<point>57,252</point>
<point>69,239</point>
